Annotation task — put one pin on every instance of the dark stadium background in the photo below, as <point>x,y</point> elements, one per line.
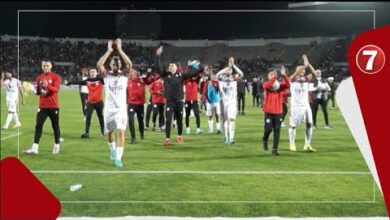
<point>190,25</point>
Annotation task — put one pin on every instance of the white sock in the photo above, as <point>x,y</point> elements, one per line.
<point>56,145</point>
<point>111,145</point>
<point>211,125</point>
<point>226,129</point>
<point>34,146</point>
<point>291,135</point>
<point>16,118</point>
<point>8,120</point>
<point>232,128</point>
<point>308,135</point>
<point>218,125</point>
<point>119,153</point>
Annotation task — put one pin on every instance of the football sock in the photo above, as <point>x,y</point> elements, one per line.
<point>226,129</point>
<point>211,125</point>
<point>291,135</point>
<point>16,118</point>
<point>218,125</point>
<point>119,153</point>
<point>34,146</point>
<point>308,135</point>
<point>8,120</point>
<point>232,128</point>
<point>112,145</point>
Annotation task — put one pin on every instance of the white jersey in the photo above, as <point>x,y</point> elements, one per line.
<point>299,94</point>
<point>116,90</point>
<point>228,89</point>
<point>11,86</point>
<point>84,89</point>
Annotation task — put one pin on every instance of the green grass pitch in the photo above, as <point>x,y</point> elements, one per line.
<point>236,194</point>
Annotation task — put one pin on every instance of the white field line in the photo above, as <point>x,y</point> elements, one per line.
<point>200,172</point>
<point>10,136</point>
<point>216,201</point>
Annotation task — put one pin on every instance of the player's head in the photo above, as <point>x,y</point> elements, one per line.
<point>213,76</point>
<point>272,74</point>
<point>229,71</point>
<point>301,70</point>
<point>172,68</point>
<point>8,75</point>
<point>318,73</point>
<point>93,72</point>
<point>46,66</point>
<point>84,70</point>
<point>115,64</point>
<point>207,69</point>
<point>132,73</point>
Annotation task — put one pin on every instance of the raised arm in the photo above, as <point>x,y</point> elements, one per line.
<point>195,69</point>
<point>239,72</point>
<point>307,64</point>
<point>286,83</point>
<point>158,62</point>
<point>84,82</point>
<point>124,56</point>
<point>221,72</point>
<point>103,59</point>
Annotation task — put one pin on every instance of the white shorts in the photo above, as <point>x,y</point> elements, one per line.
<point>210,107</point>
<point>12,104</point>
<point>300,115</point>
<point>230,111</point>
<point>114,120</point>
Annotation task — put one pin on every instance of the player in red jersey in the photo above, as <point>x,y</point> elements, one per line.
<point>273,98</point>
<point>94,100</point>
<point>158,103</point>
<point>47,87</point>
<point>136,100</point>
<point>191,101</point>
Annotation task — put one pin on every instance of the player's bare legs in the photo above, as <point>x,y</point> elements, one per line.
<point>308,137</point>
<point>120,147</point>
<point>291,135</point>
<point>112,145</point>
<point>232,128</point>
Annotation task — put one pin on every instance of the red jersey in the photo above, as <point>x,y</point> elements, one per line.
<point>95,91</point>
<point>157,91</point>
<point>273,100</point>
<point>286,93</point>
<point>48,97</point>
<point>191,86</point>
<point>136,91</point>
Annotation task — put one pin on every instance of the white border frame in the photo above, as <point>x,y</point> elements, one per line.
<point>204,172</point>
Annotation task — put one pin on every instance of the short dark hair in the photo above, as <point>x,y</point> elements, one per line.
<point>48,60</point>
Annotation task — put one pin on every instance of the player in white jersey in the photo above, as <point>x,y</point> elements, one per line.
<point>228,90</point>
<point>13,86</point>
<point>115,105</point>
<point>300,106</point>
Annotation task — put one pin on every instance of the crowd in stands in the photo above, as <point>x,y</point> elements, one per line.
<point>74,56</point>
